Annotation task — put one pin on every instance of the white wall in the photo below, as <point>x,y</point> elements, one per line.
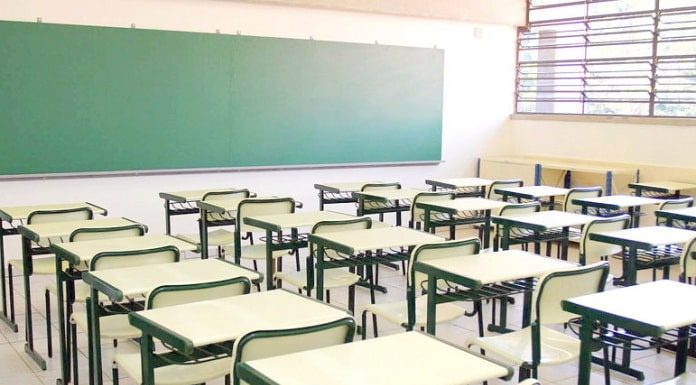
<point>479,80</point>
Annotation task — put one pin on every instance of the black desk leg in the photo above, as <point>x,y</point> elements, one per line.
<point>29,334</point>
<point>3,316</point>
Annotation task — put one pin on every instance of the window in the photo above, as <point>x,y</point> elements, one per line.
<point>608,57</point>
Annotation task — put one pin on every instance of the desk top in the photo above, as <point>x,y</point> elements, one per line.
<point>130,282</point>
<point>295,220</point>
<point>456,183</point>
<point>77,252</point>
<point>617,202</point>
<point>342,186</point>
<point>533,192</point>
<point>192,195</point>
<point>16,213</point>
<point>686,214</point>
<point>474,271</point>
<point>545,220</point>
<point>389,195</point>
<point>206,322</point>
<point>42,231</point>
<point>650,308</point>
<point>459,205</point>
<point>422,359</point>
<point>645,238</point>
<point>350,242</point>
<point>663,186</point>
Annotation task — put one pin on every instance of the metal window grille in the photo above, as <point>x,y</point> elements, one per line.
<point>608,57</point>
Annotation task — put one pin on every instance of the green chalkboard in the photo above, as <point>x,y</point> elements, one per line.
<point>96,99</point>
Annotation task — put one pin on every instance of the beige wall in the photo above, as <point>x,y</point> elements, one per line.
<point>478,92</point>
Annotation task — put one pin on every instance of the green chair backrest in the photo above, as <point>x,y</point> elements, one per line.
<point>590,249</point>
<point>259,207</point>
<point>437,250</point>
<point>503,183</point>
<point>64,215</point>
<point>674,204</point>
<point>687,261</point>
<point>417,214</point>
<point>171,295</point>
<point>94,233</point>
<point>120,259</point>
<point>579,193</point>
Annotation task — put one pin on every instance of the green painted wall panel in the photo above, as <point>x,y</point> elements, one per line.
<point>91,99</point>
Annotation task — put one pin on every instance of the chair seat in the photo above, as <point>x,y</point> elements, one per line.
<point>332,278</point>
<point>42,265</point>
<point>219,237</point>
<point>397,312</point>
<point>113,326</point>
<point>175,374</point>
<point>684,379</point>
<point>516,347</point>
<point>254,251</point>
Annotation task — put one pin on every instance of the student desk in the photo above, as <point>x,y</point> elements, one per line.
<point>462,187</point>
<point>183,203</point>
<point>370,244</point>
<point>547,226</point>
<point>275,240</point>
<point>135,283</point>
<point>629,203</point>
<point>486,276</point>
<point>460,211</point>
<point>650,309</point>
<point>648,240</point>
<point>421,359</point>
<point>80,254</point>
<point>15,216</point>
<point>389,201</point>
<point>197,325</point>
<point>662,189</point>
<point>49,232</point>
<point>687,215</point>
<point>533,193</point>
<point>332,193</point>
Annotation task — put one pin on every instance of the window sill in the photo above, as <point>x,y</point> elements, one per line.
<point>618,119</point>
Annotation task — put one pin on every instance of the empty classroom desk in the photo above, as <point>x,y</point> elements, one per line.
<point>647,310</point>
<point>460,211</point>
<point>687,215</point>
<point>276,240</point>
<point>631,204</point>
<point>653,244</point>
<point>81,253</point>
<point>462,187</point>
<point>366,242</point>
<point>421,359</point>
<point>395,201</point>
<point>533,193</point>
<point>332,193</point>
<point>184,203</point>
<point>224,321</point>
<point>17,215</point>
<point>662,189</point>
<point>486,276</point>
<point>135,283</point>
<point>546,226</point>
<point>49,232</point>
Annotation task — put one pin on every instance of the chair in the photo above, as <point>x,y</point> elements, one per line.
<point>268,343</point>
<point>579,193</point>
<point>538,344</point>
<point>673,204</point>
<point>502,183</point>
<point>366,207</point>
<point>687,263</point>
<point>333,278</point>
<point>397,312</point>
<point>82,289</point>
<point>418,214</point>
<point>116,327</point>
<point>189,372</point>
<point>44,265</point>
<point>220,237</point>
<point>593,250</point>
<point>251,208</point>
<point>517,235</point>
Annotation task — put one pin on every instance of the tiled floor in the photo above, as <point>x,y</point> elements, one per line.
<point>17,368</point>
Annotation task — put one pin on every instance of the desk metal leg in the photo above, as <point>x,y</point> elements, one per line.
<point>432,304</point>
<point>167,218</point>
<point>487,230</point>
<point>203,235</point>
<point>585,351</point>
<point>27,272</point>
<point>682,351</point>
<point>63,341</point>
<point>3,316</point>
<point>269,259</point>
